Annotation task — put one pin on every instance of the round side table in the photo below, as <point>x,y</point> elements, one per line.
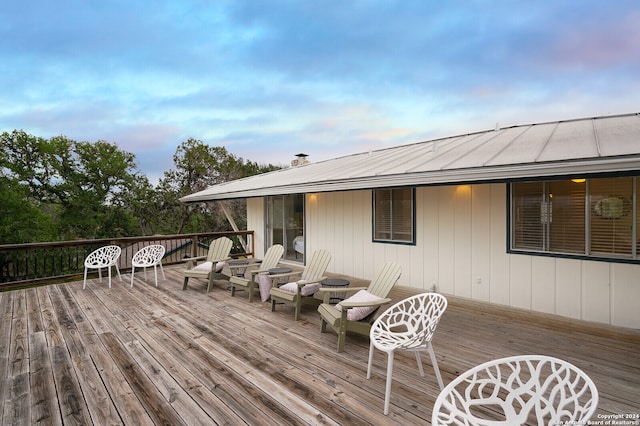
<point>336,297</point>
<point>240,266</point>
<point>276,271</point>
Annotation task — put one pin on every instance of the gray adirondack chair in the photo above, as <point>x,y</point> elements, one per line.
<point>338,319</point>
<point>219,250</point>
<point>271,259</point>
<point>313,273</point>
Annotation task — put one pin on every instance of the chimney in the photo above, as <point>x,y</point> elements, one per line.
<point>300,161</point>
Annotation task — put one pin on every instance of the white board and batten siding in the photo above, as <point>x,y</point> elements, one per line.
<point>460,248</point>
<point>255,222</point>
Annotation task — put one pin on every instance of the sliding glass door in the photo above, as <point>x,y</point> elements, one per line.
<point>285,224</point>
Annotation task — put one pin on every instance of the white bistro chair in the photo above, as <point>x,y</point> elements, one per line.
<point>524,389</point>
<point>104,257</point>
<point>409,325</point>
<point>147,257</point>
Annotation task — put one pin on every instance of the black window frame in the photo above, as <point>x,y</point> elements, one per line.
<point>391,240</point>
<point>590,203</point>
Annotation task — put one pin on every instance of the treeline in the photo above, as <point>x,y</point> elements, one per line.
<point>59,189</point>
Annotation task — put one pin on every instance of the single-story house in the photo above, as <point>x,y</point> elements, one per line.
<point>543,217</point>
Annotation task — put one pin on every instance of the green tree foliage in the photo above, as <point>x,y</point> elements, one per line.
<point>22,219</point>
<point>98,186</point>
<point>81,185</point>
<point>143,202</point>
<point>199,166</point>
<point>60,189</point>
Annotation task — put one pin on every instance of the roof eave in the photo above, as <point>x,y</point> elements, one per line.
<point>440,177</point>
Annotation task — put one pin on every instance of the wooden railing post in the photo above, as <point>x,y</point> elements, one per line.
<point>194,246</point>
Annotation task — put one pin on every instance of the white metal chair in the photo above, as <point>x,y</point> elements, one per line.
<point>409,325</point>
<point>147,257</point>
<point>524,389</point>
<point>104,257</point>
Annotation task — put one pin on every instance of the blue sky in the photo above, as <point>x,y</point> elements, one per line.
<point>270,79</point>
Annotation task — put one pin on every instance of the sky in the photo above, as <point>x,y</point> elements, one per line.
<point>271,79</point>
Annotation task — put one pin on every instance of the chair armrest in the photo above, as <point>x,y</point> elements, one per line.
<point>192,261</point>
<point>326,292</point>
<point>256,268</point>
<point>247,266</point>
<point>286,274</point>
<point>302,283</point>
<point>196,258</point>
<point>253,271</point>
<point>348,305</point>
<point>340,289</point>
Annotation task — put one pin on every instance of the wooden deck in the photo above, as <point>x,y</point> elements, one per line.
<point>147,355</point>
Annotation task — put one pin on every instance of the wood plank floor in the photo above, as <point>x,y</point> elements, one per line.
<point>147,355</point>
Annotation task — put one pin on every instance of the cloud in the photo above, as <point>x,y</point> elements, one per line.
<point>329,78</point>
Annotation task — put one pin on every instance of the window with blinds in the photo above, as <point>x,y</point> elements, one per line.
<point>566,223</point>
<point>586,217</point>
<point>611,216</point>
<point>530,213</point>
<point>393,215</point>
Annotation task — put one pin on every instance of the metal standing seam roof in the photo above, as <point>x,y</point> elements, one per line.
<point>574,147</point>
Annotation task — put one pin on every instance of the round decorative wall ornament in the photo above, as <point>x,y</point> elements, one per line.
<point>612,207</point>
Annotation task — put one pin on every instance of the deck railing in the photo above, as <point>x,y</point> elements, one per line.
<point>40,263</point>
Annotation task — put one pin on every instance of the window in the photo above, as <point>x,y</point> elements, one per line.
<point>611,216</point>
<point>285,224</point>
<point>393,215</point>
<point>586,217</point>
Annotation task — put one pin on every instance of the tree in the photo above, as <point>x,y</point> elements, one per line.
<point>99,185</point>
<point>38,163</point>
<point>80,184</point>
<point>21,218</point>
<point>62,189</point>
<point>143,202</point>
<point>199,166</point>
